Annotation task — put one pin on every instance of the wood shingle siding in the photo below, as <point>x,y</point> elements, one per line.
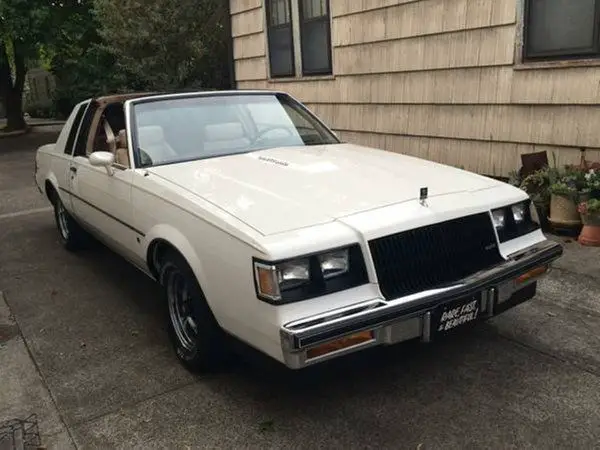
<point>440,79</point>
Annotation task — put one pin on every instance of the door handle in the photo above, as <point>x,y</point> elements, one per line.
<point>73,169</point>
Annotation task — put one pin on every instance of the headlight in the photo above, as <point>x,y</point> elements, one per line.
<point>334,264</point>
<point>513,221</point>
<point>499,218</point>
<point>293,274</point>
<point>519,212</point>
<point>310,276</point>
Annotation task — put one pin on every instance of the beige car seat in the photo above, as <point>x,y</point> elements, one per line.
<point>153,143</point>
<point>122,151</point>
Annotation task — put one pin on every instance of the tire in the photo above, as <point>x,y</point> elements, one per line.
<point>72,236</point>
<point>198,340</point>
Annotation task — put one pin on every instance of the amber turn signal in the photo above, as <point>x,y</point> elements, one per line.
<point>339,344</point>
<point>532,274</point>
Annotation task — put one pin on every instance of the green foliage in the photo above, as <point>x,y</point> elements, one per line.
<point>25,24</point>
<point>29,29</point>
<point>112,46</point>
<point>96,47</point>
<point>592,180</point>
<point>82,68</point>
<point>538,183</point>
<point>563,188</point>
<point>570,182</point>
<point>514,178</point>
<point>166,45</point>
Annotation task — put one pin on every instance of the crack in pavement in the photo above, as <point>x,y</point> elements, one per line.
<point>38,370</point>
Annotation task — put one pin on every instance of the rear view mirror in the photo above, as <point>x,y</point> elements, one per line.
<point>103,159</point>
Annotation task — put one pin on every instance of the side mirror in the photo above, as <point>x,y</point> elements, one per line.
<point>103,159</point>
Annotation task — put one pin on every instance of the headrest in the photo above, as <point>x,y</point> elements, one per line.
<point>150,135</point>
<point>223,131</point>
<point>122,139</point>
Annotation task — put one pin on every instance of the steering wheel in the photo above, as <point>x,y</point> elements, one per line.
<point>145,159</point>
<point>261,133</point>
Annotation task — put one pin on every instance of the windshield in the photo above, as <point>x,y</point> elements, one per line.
<point>189,128</point>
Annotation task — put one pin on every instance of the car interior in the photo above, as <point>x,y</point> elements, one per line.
<point>112,118</point>
<point>181,132</point>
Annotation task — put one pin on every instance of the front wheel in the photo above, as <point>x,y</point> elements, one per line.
<point>72,236</point>
<point>199,341</point>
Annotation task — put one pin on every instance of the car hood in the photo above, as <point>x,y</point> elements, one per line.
<point>286,188</point>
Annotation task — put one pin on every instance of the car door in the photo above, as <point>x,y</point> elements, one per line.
<point>102,202</point>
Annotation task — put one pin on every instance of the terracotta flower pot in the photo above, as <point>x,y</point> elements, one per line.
<point>590,233</point>
<point>563,211</point>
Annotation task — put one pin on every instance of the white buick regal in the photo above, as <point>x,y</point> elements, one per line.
<point>261,224</point>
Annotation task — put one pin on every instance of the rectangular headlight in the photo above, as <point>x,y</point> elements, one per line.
<point>309,276</point>
<point>334,264</point>
<point>513,221</point>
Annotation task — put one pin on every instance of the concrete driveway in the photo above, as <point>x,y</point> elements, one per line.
<point>83,344</point>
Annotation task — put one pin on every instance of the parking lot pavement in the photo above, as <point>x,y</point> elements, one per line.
<point>95,330</point>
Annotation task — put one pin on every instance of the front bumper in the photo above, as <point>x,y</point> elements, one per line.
<point>388,322</point>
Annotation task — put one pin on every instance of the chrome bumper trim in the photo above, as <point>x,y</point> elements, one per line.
<point>376,314</point>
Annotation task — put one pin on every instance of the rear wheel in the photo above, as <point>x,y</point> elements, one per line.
<point>72,236</point>
<point>199,341</point>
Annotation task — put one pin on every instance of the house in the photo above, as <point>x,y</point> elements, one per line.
<point>472,83</point>
<point>40,88</point>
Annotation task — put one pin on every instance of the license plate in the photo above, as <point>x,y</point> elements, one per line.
<point>456,314</point>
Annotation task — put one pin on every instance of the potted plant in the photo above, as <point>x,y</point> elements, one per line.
<point>590,214</point>
<point>537,185</point>
<point>592,183</point>
<point>563,201</point>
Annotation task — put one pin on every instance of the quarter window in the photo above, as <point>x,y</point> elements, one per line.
<point>562,29</point>
<point>86,124</point>
<point>75,128</point>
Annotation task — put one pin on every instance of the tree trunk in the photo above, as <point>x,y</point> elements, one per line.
<point>12,92</point>
<point>14,111</point>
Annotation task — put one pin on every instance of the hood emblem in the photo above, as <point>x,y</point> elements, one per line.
<point>273,160</point>
<point>423,193</point>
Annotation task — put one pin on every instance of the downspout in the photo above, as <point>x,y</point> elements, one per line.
<point>230,58</point>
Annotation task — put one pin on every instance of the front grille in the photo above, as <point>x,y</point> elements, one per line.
<point>435,255</point>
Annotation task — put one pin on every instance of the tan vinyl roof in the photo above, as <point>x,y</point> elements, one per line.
<point>119,98</point>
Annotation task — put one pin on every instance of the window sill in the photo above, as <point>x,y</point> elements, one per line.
<point>301,78</point>
<point>559,64</point>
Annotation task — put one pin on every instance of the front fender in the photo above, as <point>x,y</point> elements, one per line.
<point>176,239</point>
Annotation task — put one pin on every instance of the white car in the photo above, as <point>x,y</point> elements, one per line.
<point>261,224</point>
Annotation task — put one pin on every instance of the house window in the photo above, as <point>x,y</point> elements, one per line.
<point>301,48</point>
<point>315,34</point>
<point>562,29</point>
<point>280,35</point>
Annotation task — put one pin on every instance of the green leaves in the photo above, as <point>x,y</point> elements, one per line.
<point>97,47</point>
<point>165,45</point>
